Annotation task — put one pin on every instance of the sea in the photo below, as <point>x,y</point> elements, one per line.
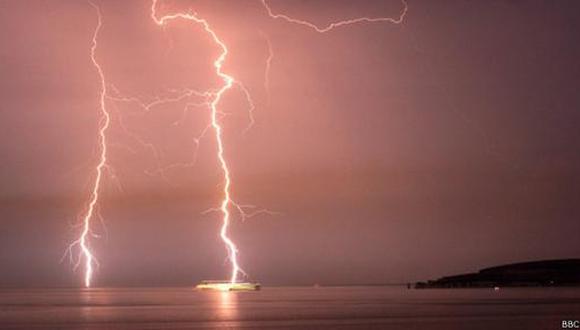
<point>352,307</point>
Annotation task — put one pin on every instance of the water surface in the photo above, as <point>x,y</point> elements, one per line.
<point>362,307</point>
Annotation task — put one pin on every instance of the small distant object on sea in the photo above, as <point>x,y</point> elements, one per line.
<point>221,285</point>
<point>544,273</point>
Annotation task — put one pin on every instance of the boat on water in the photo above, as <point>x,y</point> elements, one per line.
<point>227,286</point>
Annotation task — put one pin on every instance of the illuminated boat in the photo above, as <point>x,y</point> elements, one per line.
<point>228,286</point>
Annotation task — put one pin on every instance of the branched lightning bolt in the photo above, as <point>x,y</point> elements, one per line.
<point>337,24</point>
<point>215,98</point>
<point>210,99</point>
<point>318,29</point>
<point>91,211</point>
<point>176,96</point>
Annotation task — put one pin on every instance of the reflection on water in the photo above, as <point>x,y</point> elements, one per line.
<point>143,305</point>
<point>87,302</point>
<point>91,303</point>
<point>290,307</point>
<point>227,304</point>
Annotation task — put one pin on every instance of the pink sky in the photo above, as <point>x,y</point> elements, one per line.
<point>394,153</point>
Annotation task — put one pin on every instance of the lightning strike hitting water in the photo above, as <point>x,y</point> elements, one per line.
<point>83,241</point>
<point>211,99</point>
<point>216,96</point>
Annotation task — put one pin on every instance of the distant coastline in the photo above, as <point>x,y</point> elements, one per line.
<point>543,273</point>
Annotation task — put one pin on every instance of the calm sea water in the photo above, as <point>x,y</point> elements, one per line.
<point>288,308</point>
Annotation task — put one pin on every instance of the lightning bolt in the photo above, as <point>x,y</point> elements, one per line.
<point>316,28</point>
<point>211,99</point>
<point>176,96</point>
<point>267,66</point>
<point>337,24</point>
<point>214,101</point>
<point>214,98</point>
<point>85,253</point>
